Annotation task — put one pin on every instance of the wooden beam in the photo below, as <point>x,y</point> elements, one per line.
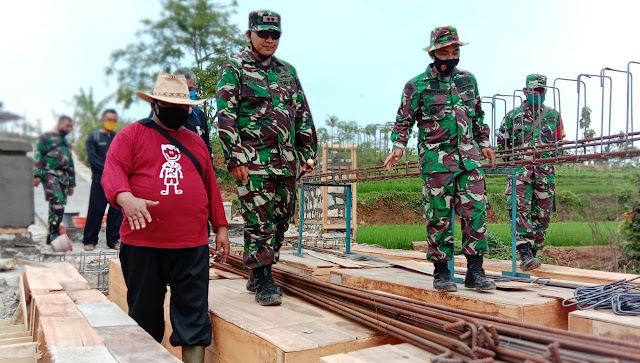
<point>605,323</point>
<point>117,286</point>
<point>87,297</point>
<point>19,353</point>
<point>40,281</point>
<point>68,277</point>
<point>63,331</point>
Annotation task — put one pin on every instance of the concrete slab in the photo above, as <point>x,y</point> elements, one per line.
<point>98,354</point>
<point>132,344</point>
<point>105,314</point>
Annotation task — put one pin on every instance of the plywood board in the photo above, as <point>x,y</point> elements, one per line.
<point>382,354</point>
<point>41,281</point>
<point>243,331</point>
<point>68,277</point>
<point>224,274</point>
<point>605,323</point>
<point>377,251</point>
<point>523,305</point>
<point>555,272</point>
<point>344,263</point>
<point>62,331</point>
<point>132,344</point>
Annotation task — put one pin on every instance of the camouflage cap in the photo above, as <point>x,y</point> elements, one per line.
<point>264,20</point>
<point>442,37</point>
<point>536,80</point>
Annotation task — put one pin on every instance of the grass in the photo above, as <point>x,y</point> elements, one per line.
<point>559,234</point>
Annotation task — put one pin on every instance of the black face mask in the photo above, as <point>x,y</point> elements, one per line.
<point>172,117</point>
<point>444,67</point>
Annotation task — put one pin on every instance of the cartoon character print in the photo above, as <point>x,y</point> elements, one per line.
<point>171,170</point>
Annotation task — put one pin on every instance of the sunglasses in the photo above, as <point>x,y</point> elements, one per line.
<point>264,34</point>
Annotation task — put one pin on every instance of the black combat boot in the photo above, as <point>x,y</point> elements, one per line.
<point>251,282</point>
<point>54,232</point>
<point>442,278</point>
<point>476,278</point>
<point>529,261</point>
<point>267,294</point>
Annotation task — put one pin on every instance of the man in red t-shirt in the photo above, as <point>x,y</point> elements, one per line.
<point>161,176</point>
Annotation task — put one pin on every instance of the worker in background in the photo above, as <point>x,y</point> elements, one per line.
<point>445,103</point>
<point>54,168</point>
<point>97,145</point>
<point>531,124</point>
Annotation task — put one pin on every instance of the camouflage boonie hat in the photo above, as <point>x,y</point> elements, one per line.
<point>442,37</point>
<point>536,81</point>
<point>264,20</point>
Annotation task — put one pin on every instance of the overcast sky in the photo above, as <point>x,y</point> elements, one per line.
<point>353,57</point>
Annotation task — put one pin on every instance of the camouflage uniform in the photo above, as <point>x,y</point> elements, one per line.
<point>451,132</point>
<point>54,166</point>
<point>535,184</point>
<point>264,123</point>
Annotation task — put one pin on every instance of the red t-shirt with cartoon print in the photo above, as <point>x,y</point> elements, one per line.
<point>141,161</point>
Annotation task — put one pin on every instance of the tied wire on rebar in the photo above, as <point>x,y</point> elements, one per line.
<point>606,296</point>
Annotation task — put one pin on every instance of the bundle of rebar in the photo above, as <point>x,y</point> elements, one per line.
<point>561,152</point>
<point>452,335</point>
<point>608,296</point>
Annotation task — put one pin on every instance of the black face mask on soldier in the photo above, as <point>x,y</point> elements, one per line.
<point>445,67</point>
<point>172,117</point>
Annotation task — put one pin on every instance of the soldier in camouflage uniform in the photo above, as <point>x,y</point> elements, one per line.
<point>267,132</point>
<point>54,168</point>
<point>532,124</point>
<point>445,103</point>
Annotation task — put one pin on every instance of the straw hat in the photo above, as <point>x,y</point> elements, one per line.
<point>170,88</point>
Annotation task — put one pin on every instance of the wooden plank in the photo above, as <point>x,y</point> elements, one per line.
<point>41,281</point>
<point>168,329</point>
<point>63,331</point>
<point>117,286</point>
<point>11,341</point>
<point>51,305</point>
<point>105,314</point>
<point>87,297</point>
<point>524,306</point>
<point>68,277</point>
<point>246,332</point>
<point>317,267</point>
<point>226,275</point>
<point>132,344</point>
<point>555,272</point>
<point>389,254</point>
<point>24,295</point>
<point>605,323</point>
<point>20,334</point>
<point>19,353</point>
<point>12,329</point>
<point>344,263</point>
<point>382,354</point>
<point>427,268</point>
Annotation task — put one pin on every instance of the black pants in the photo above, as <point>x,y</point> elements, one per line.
<point>147,272</point>
<point>97,203</point>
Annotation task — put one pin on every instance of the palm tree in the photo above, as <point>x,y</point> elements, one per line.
<point>87,115</point>
<point>332,121</point>
<point>323,135</point>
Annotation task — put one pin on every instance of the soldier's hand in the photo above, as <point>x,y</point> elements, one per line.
<point>241,173</point>
<point>391,160</point>
<point>36,181</point>
<point>306,168</point>
<point>487,153</point>
<point>135,209</point>
<point>70,191</point>
<point>223,246</point>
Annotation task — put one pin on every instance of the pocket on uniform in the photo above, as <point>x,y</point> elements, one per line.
<point>467,100</point>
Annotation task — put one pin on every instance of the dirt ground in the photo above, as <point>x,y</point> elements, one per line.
<point>384,212</point>
<point>605,258</point>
